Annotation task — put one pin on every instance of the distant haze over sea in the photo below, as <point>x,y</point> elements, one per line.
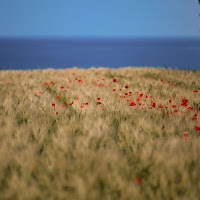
<point>26,53</point>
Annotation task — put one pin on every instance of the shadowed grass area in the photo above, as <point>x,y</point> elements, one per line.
<point>82,149</point>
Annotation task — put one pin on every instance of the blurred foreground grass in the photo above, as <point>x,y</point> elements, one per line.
<point>107,150</point>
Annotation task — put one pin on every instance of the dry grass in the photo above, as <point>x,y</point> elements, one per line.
<point>99,151</point>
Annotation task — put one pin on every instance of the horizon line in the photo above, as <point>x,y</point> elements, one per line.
<point>103,37</point>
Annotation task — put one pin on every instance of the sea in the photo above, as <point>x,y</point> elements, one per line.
<point>62,53</point>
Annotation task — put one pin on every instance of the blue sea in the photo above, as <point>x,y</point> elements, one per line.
<point>60,53</point>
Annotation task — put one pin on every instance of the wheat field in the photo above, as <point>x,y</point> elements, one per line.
<point>100,134</point>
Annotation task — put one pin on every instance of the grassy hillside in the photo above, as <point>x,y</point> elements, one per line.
<point>138,140</point>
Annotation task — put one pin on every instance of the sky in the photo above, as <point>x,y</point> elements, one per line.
<point>99,18</point>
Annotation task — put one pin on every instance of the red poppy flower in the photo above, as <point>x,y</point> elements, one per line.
<point>137,100</point>
<point>197,128</point>
<point>81,106</point>
<point>141,95</point>
<point>195,90</point>
<point>98,103</point>
<point>115,80</point>
<point>114,89</point>
<point>146,96</point>
<point>40,92</point>
<point>56,113</point>
<point>185,135</point>
<point>160,106</point>
<point>153,104</point>
<point>184,104</point>
<point>190,108</point>
<point>138,180</point>
<point>98,98</point>
<point>53,104</point>
<point>85,104</point>
<point>173,106</point>
<point>170,101</point>
<point>52,83</point>
<point>126,86</point>
<point>194,118</point>
<point>132,104</point>
<point>65,103</point>
<point>184,101</point>
<point>126,93</point>
<point>46,83</point>
<point>196,114</point>
<point>99,85</point>
<point>61,87</point>
<point>71,103</point>
<point>8,83</point>
<point>122,96</point>
<point>57,97</point>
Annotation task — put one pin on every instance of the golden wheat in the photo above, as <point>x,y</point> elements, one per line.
<point>99,151</point>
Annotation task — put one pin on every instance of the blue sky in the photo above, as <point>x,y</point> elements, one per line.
<point>99,18</point>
